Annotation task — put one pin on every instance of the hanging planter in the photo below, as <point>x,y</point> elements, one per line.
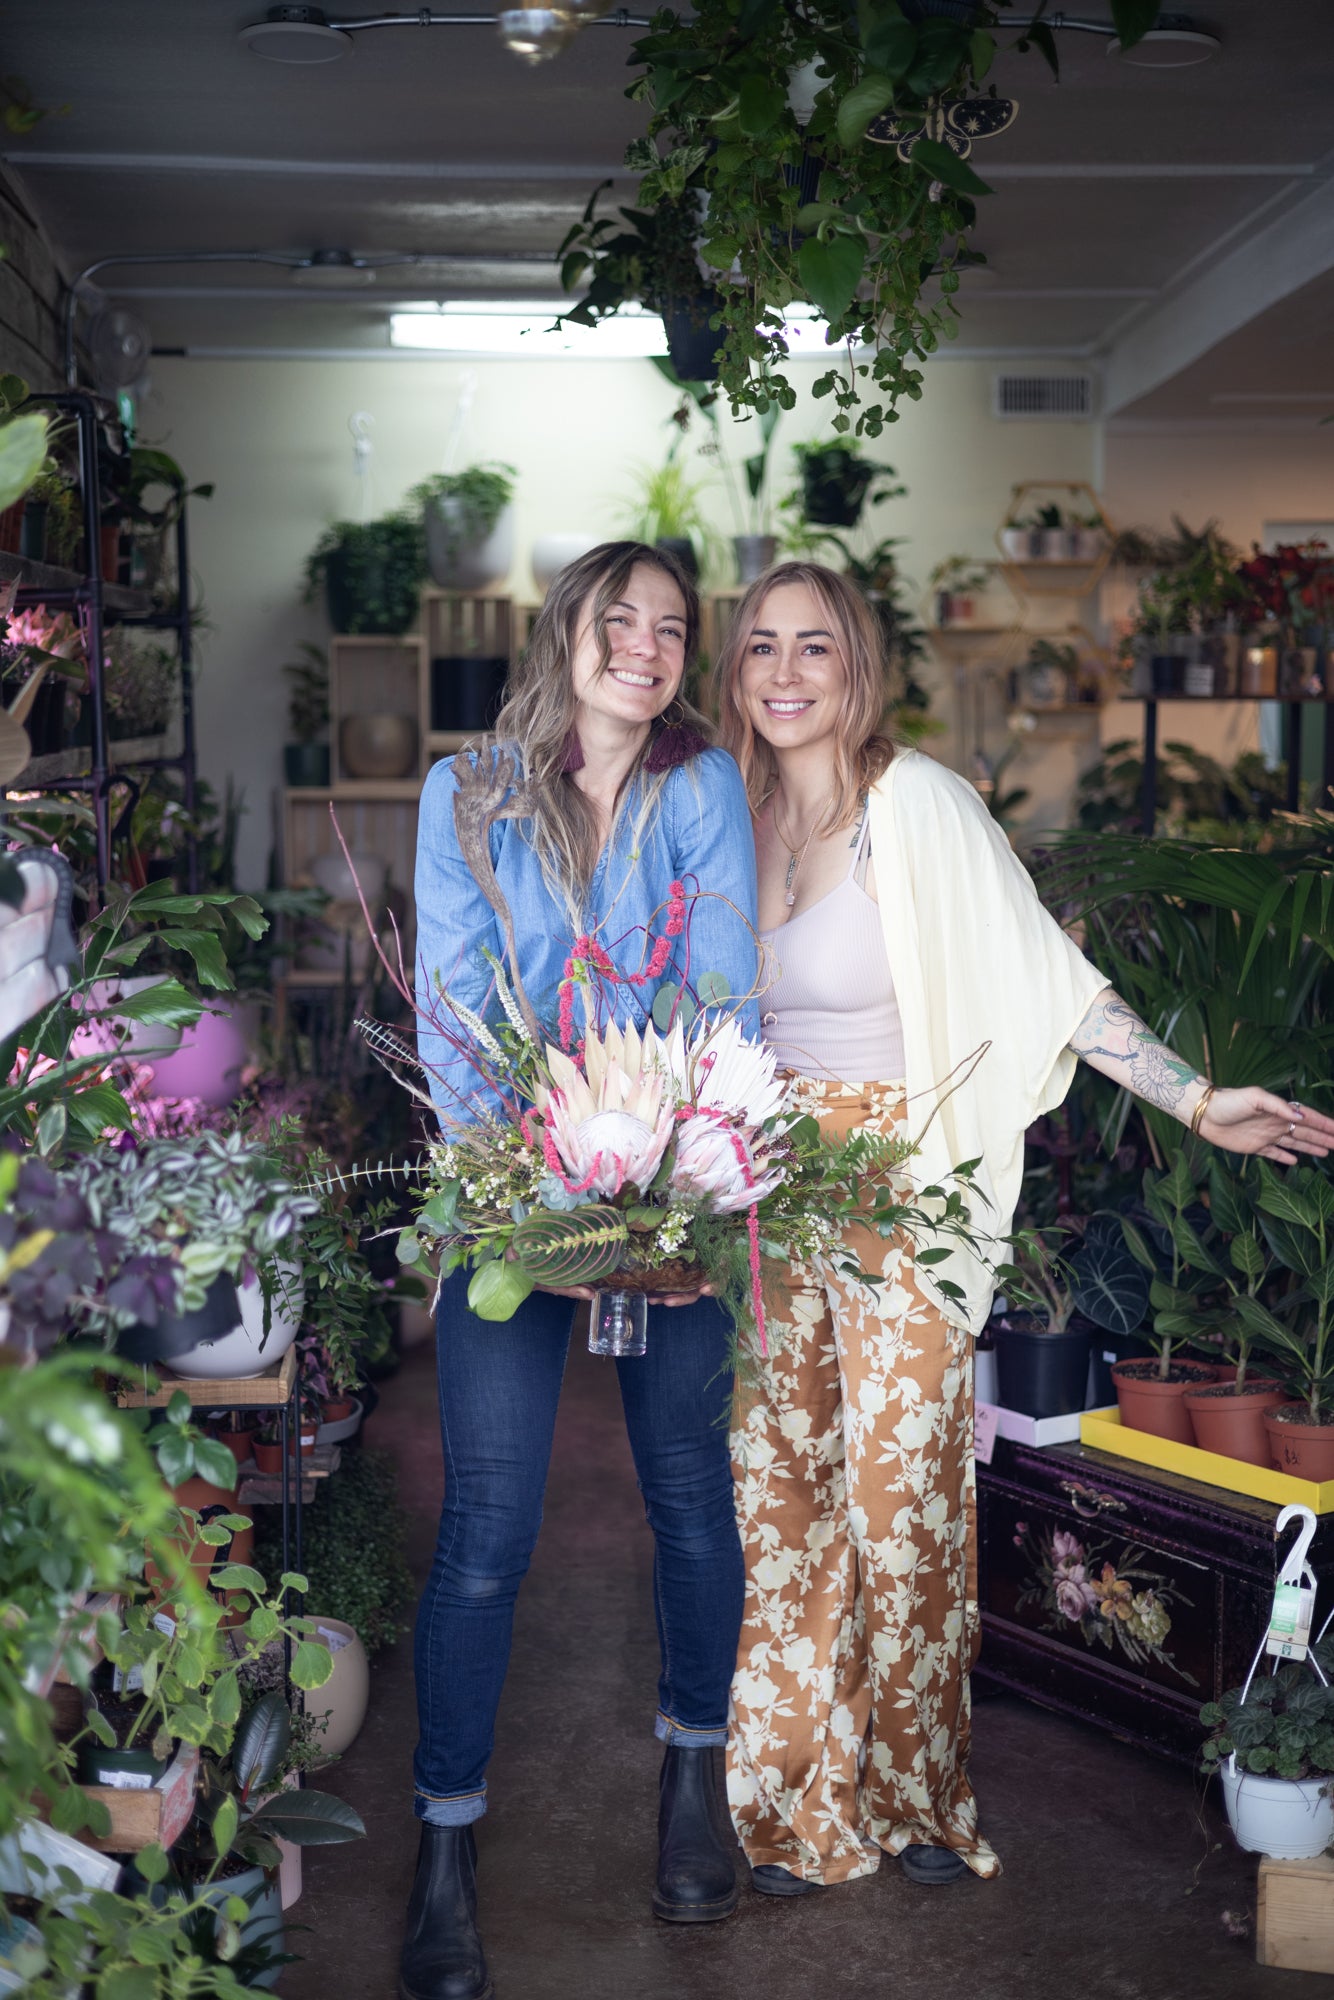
<point>1291,1819</point>
<point>371,574</point>
<point>817,155</point>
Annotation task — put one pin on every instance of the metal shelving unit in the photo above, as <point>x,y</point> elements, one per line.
<point>98,603</point>
<point>1292,734</point>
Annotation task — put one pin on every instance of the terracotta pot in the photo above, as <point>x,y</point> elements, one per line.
<point>1231,1424</point>
<point>1306,1451</point>
<point>208,1501</point>
<point>378,746</point>
<point>240,1443</point>
<point>1146,1404</point>
<point>269,1457</point>
<point>337,1408</point>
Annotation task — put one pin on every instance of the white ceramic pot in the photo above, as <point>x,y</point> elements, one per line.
<point>210,1058</point>
<point>339,876</point>
<point>1017,544</point>
<point>144,1040</point>
<point>240,1353</point>
<point>265,1922</point>
<point>551,553</point>
<point>1291,1819</point>
<point>456,564</point>
<point>344,1696</point>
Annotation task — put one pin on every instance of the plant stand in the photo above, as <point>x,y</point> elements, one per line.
<point>277,1389</point>
<point>1294,1922</point>
<point>1204,1557</point>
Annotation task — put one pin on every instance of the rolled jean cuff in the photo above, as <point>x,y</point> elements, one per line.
<point>668,1731</point>
<point>457,1811</point>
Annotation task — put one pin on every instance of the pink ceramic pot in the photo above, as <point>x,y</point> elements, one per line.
<point>212,1054</point>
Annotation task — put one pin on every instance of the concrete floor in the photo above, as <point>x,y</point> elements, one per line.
<point>1120,1883</point>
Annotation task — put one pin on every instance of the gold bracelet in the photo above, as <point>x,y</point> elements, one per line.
<point>1202,1105</point>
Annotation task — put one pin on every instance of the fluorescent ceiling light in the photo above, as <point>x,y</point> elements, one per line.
<point>523,327</point>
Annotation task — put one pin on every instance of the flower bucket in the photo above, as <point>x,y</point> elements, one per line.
<point>1291,1819</point>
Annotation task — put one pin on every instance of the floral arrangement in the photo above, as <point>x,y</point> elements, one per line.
<point>1117,1604</point>
<point>653,1158</point>
<point>1292,585</point>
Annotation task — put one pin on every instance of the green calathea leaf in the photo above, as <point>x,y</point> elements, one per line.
<point>498,1288</point>
<point>831,271</point>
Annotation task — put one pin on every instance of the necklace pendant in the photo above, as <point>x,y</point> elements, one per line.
<point>790,898</point>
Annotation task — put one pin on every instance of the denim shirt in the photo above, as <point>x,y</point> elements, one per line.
<point>700,834</point>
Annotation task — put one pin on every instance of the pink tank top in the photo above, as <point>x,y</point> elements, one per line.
<point>830,1009</point>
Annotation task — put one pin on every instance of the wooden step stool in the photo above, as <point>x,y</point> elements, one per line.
<point>1294,1923</point>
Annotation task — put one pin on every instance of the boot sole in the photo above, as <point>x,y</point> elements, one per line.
<point>406,1992</point>
<point>695,1913</point>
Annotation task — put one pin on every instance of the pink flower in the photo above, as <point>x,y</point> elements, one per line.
<point>1065,1548</point>
<point>1073,1599</point>
<point>715,1161</point>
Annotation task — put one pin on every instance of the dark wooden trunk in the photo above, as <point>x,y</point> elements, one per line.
<point>1204,1558</point>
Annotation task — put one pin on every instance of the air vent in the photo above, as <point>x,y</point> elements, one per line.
<point>1068,397</point>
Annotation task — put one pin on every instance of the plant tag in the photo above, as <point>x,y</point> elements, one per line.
<point>123,1683</point>
<point>985,1418</point>
<point>1289,1634</point>
<point>165,1623</point>
<point>335,1641</point>
<point>126,1781</point>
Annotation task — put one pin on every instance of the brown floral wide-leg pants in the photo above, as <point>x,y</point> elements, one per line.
<point>855,1492</point>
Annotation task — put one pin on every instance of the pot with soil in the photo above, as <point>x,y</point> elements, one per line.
<point>1149,1401</point>
<point>236,1430</point>
<point>1230,1421</point>
<point>1290,1819</point>
<point>754,555</point>
<point>128,1765</point>
<point>1299,1446</point>
<point>269,1450</point>
<point>1039,1372</point>
<point>337,1429</point>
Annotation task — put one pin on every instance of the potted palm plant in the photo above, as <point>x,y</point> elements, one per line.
<point>1296,1324</point>
<point>1151,1394</point>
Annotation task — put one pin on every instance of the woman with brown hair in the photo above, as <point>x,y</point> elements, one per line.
<point>921,991</point>
<point>611,795</point>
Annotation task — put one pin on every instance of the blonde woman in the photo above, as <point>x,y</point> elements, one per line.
<point>904,937</point>
<point>625,797</point>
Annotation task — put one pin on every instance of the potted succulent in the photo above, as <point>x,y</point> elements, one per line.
<point>468,524</point>
<point>1059,1286</point>
<point>305,756</point>
<point>1272,1742</point>
<point>370,572</point>
<point>957,582</point>
<point>222,1208</point>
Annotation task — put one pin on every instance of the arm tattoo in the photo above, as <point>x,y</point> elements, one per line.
<point>1113,1039</point>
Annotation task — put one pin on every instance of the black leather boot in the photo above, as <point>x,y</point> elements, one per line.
<point>696,1849</point>
<point>442,1953</point>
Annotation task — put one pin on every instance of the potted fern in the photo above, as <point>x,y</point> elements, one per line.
<point>305,757</point>
<point>468,522</point>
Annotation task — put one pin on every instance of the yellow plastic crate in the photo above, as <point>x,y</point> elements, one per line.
<point>1104,1431</point>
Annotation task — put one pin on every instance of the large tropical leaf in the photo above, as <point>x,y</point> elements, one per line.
<point>307,1819</point>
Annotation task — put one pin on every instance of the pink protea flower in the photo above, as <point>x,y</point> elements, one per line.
<point>727,1168</point>
<point>611,1118</point>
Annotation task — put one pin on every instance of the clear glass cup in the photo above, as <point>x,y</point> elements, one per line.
<point>618,1323</point>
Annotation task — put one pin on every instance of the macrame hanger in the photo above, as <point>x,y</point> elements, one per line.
<point>359,424</point>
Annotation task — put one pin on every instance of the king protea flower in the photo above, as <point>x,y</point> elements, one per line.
<point>726,1167</point>
<point>610,1121</point>
<point>718,1069</point>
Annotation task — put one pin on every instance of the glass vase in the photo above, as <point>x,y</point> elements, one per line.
<point>618,1323</point>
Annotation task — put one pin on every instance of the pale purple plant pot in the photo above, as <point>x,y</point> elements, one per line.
<point>212,1054</point>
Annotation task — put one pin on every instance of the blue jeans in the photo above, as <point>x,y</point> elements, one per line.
<point>499,1387</point>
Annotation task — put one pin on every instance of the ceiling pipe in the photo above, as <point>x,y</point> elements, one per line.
<point>281,259</point>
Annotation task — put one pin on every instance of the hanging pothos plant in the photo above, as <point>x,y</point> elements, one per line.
<point>743,210</point>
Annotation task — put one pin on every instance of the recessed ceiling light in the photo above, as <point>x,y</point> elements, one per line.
<point>332,270</point>
<point>1168,48</point>
<point>295,35</point>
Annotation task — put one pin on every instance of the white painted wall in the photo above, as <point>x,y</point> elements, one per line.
<point>273,436</point>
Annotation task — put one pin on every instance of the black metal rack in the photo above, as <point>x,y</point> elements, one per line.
<point>100,602</point>
<point>1292,735</point>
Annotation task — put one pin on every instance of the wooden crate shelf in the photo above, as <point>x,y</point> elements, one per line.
<point>268,1391</point>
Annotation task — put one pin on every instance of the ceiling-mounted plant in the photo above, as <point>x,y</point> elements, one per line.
<point>785,204</point>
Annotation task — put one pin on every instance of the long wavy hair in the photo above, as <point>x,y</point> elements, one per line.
<point>539,711</point>
<point>862,749</point>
